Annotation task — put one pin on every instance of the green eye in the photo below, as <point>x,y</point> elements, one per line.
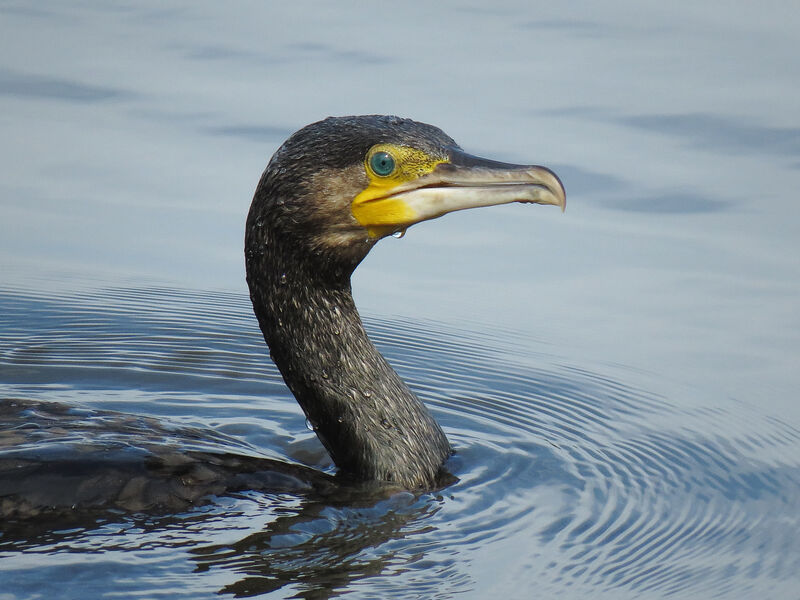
<point>382,164</point>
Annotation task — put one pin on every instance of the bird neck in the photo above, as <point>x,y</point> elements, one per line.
<point>371,423</point>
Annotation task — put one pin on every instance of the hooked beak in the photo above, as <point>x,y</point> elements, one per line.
<point>465,181</point>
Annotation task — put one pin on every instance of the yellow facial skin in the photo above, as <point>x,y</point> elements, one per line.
<point>374,208</point>
<point>406,187</point>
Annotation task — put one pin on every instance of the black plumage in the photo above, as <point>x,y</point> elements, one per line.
<point>319,208</point>
<point>301,246</point>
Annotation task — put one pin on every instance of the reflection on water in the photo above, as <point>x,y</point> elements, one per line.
<point>25,85</point>
<point>722,134</point>
<point>570,482</point>
<point>674,203</point>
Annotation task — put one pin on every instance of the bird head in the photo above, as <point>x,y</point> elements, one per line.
<point>337,186</point>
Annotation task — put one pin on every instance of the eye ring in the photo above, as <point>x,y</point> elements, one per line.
<point>382,163</point>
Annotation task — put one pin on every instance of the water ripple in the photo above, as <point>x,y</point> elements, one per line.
<point>570,480</point>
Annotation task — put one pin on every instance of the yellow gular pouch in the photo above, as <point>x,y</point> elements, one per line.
<point>389,166</point>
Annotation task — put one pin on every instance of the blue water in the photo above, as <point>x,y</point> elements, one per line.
<point>619,381</point>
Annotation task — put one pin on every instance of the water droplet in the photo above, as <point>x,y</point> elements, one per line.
<point>386,424</point>
<point>367,393</point>
<point>399,234</point>
<point>259,223</point>
<point>340,419</point>
<point>337,332</point>
<point>310,425</point>
<point>325,374</point>
<point>283,279</point>
<point>280,322</point>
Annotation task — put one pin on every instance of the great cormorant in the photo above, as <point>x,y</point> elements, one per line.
<point>329,194</point>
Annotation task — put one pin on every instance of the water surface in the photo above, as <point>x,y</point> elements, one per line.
<point>568,478</point>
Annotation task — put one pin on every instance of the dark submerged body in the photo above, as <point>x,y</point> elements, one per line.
<point>57,460</point>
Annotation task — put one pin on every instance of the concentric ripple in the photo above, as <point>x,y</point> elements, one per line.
<point>608,487</point>
<point>571,481</point>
